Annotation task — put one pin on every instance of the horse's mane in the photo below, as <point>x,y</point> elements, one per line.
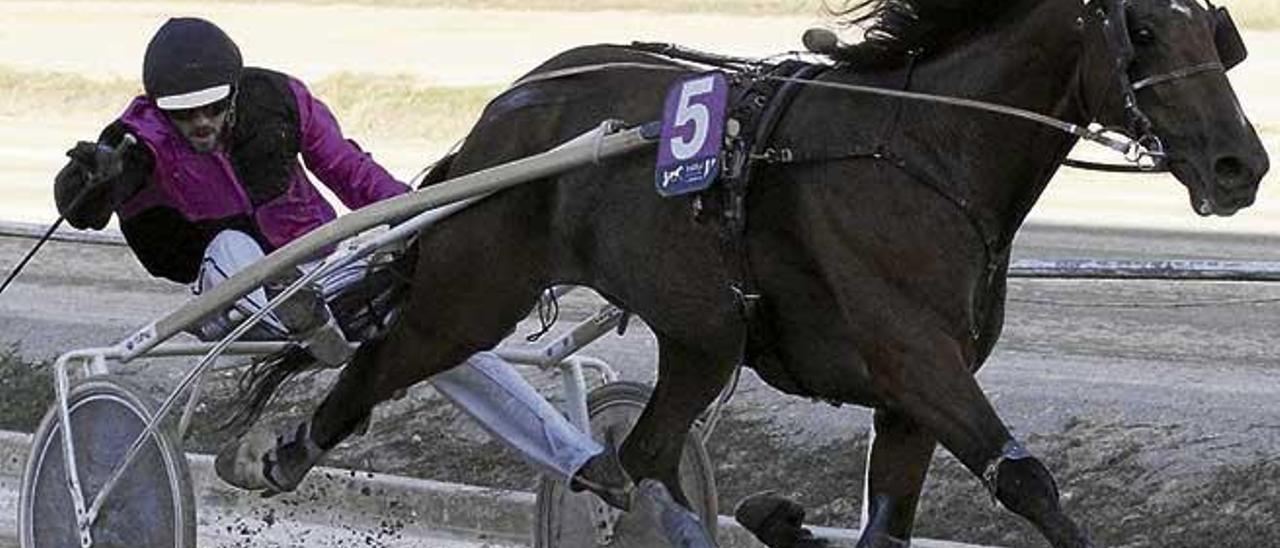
<point>893,30</point>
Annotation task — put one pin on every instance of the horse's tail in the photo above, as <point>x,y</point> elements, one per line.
<point>260,381</point>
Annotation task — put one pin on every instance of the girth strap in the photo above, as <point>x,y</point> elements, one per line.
<point>758,101</point>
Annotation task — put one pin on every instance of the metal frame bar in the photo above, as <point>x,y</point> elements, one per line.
<point>421,208</point>
<point>598,144</point>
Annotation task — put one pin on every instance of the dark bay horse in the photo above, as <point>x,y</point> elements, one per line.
<point>879,252</point>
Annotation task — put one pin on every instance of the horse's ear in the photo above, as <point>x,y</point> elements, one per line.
<point>1104,58</point>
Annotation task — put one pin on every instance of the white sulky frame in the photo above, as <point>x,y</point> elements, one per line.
<point>408,214</point>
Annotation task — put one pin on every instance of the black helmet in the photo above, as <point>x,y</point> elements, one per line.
<point>190,63</point>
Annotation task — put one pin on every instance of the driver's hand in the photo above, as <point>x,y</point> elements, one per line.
<point>100,161</point>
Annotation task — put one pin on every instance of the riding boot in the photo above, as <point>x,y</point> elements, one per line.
<point>310,322</point>
<point>776,521</point>
<point>604,476</point>
<point>681,527</point>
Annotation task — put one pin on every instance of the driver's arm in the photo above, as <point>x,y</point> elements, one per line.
<point>338,162</point>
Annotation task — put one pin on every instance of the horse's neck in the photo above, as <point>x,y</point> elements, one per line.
<point>1028,59</point>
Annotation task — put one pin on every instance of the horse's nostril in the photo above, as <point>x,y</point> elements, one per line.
<point>1230,170</point>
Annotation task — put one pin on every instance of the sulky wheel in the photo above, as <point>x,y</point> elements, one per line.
<point>569,520</point>
<point>152,504</point>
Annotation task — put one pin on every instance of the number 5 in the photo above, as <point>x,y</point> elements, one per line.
<point>690,112</point>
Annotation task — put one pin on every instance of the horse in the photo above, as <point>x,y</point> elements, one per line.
<point>866,266</point>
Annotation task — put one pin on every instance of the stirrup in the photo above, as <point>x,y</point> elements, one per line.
<point>310,322</point>
<point>327,344</point>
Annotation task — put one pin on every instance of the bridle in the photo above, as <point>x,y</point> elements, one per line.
<point>1147,153</point>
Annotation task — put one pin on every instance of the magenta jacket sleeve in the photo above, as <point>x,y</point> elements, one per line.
<point>339,162</point>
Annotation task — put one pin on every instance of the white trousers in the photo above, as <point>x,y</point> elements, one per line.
<point>485,386</point>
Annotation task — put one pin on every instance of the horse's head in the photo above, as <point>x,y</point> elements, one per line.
<point>1156,69</point>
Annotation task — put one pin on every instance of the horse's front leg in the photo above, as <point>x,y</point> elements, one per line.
<point>923,374</point>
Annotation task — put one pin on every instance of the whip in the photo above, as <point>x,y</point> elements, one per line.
<point>112,155</point>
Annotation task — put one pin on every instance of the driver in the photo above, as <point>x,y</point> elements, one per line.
<point>214,183</point>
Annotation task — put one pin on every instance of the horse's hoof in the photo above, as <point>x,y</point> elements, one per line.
<point>603,475</point>
<point>776,521</point>
<point>239,462</point>
<point>259,461</point>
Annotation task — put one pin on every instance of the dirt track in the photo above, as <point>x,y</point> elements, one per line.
<point>1159,419</point>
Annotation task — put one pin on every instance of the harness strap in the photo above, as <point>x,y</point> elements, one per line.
<point>583,69</point>
<point>1177,74</point>
<point>757,104</point>
<point>1118,142</point>
<point>681,53</point>
<point>1111,168</point>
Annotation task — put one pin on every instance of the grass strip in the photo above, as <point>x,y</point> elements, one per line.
<point>26,391</point>
<point>738,7</point>
<point>366,105</point>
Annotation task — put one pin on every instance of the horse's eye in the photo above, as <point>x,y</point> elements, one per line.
<point>1143,35</point>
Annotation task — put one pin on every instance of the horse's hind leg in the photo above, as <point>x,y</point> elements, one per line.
<point>896,470</point>
<point>476,276</point>
<point>474,280</point>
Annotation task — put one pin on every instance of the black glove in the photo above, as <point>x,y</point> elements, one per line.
<point>99,161</point>
<point>78,192</point>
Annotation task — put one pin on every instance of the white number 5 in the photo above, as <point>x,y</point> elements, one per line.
<point>688,112</point>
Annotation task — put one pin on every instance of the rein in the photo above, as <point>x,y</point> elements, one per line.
<point>1133,149</point>
<point>1145,152</point>
<point>1118,143</point>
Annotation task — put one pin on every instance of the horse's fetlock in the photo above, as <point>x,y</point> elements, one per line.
<point>1026,487</point>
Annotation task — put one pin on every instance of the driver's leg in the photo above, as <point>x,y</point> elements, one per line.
<point>487,389</point>
<point>303,317</point>
<point>493,393</point>
<point>229,252</point>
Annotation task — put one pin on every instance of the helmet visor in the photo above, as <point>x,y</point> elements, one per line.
<point>194,99</point>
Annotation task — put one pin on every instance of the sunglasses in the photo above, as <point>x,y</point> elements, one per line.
<point>210,110</point>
